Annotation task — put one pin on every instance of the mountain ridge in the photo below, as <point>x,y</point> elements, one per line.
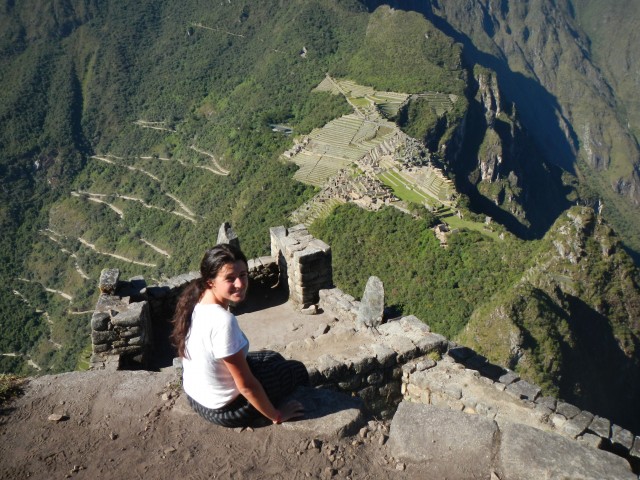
<point>88,179</point>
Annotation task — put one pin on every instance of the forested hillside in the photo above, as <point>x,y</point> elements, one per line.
<point>130,131</point>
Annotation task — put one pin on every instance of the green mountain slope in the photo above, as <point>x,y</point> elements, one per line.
<point>130,132</point>
<point>571,321</point>
<point>574,88</point>
<point>133,131</point>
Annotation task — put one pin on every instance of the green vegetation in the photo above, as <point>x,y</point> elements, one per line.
<point>561,311</point>
<point>10,387</point>
<point>440,286</point>
<point>131,131</point>
<point>139,85</point>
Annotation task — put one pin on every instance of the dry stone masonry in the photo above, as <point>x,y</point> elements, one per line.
<point>120,325</point>
<point>398,369</point>
<point>304,261</point>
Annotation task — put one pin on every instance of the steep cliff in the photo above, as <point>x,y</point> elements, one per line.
<point>572,77</point>
<point>570,323</point>
<point>497,164</point>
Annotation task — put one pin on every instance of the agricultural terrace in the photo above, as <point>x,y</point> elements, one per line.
<point>338,144</point>
<point>353,139</point>
<point>419,185</point>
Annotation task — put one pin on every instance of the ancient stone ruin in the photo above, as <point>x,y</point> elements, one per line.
<point>397,368</point>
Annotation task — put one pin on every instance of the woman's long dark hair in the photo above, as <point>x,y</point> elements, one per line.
<point>214,259</point>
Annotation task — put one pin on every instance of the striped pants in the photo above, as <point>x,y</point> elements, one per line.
<point>279,378</point>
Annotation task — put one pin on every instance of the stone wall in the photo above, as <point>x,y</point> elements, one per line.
<point>384,364</point>
<point>464,381</point>
<point>367,363</point>
<point>426,368</point>
<point>130,326</point>
<point>304,262</point>
<point>121,323</point>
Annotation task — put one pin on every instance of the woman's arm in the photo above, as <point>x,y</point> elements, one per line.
<point>251,388</point>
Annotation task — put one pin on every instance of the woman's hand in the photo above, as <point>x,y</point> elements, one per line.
<point>253,391</point>
<point>291,409</point>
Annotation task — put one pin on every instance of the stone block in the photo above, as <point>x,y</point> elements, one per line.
<point>375,378</point>
<point>452,391</point>
<point>100,321</point>
<point>527,453</point>
<point>425,364</point>
<point>296,229</point>
<point>130,332</point>
<point>431,342</point>
<point>404,347</point>
<point>368,394</point>
<point>107,302</point>
<point>227,235</point>
<point>601,427</point>
<point>548,402</point>
<point>310,255</point>
<point>320,245</point>
<point>302,236</point>
<point>98,337</point>
<point>343,304</point>
<point>372,304</point>
<point>364,362</point>
<point>543,410</point>
<point>318,276</point>
<point>108,280</point>
<point>523,390</point>
<point>137,314</point>
<point>129,349</point>
<point>136,341</point>
<point>593,441</point>
<point>557,420</point>
<point>621,436</point>
<point>389,391</point>
<point>441,400</point>
<point>577,425</point>
<point>422,380</point>
<point>330,368</point>
<point>567,410</point>
<point>635,449</point>
<point>448,444</point>
<point>327,292</point>
<point>100,348</point>
<point>385,355</point>
<point>508,378</point>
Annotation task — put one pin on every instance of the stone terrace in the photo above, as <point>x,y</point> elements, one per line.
<point>499,425</point>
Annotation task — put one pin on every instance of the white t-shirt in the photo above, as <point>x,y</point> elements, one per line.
<point>214,335</point>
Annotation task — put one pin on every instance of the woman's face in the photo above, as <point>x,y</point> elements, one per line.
<point>230,285</point>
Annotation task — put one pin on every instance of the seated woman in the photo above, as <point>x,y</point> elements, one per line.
<point>224,382</point>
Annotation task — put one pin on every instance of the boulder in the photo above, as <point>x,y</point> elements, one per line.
<point>372,304</point>
<point>451,444</point>
<point>527,453</point>
<point>328,414</point>
<point>108,280</point>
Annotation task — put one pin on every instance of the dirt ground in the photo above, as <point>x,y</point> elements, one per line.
<point>124,425</point>
<point>137,424</point>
